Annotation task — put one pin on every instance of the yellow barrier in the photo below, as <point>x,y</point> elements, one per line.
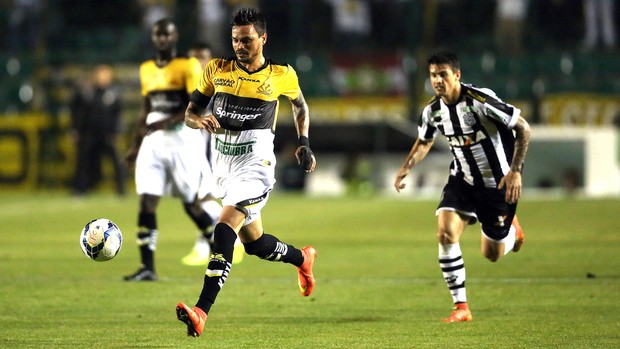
<point>579,109</point>
<point>20,145</point>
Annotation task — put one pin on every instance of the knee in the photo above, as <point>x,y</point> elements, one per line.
<point>491,243</point>
<point>445,236</point>
<point>148,203</point>
<point>493,257</point>
<point>192,208</point>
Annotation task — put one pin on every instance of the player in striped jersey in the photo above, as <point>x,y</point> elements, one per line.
<point>488,139</point>
<point>237,102</point>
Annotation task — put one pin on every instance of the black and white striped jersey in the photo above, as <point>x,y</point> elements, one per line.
<point>479,131</point>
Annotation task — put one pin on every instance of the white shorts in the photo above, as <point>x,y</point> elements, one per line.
<point>248,195</point>
<point>173,163</point>
<point>207,186</point>
<point>244,180</point>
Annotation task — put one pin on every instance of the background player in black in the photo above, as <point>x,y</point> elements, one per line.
<point>96,109</point>
<point>485,175</point>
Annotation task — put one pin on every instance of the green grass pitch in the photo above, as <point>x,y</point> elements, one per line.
<point>378,281</point>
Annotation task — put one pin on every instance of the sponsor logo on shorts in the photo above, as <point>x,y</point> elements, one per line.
<point>501,221</point>
<point>233,149</point>
<point>252,201</point>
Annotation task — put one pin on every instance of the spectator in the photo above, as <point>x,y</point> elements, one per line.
<point>550,18</point>
<point>352,23</point>
<point>510,16</point>
<point>212,23</point>
<point>24,24</point>
<point>95,114</point>
<point>600,24</point>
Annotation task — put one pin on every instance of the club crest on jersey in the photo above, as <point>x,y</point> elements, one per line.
<point>469,115</point>
<point>467,139</point>
<point>469,118</point>
<point>264,89</point>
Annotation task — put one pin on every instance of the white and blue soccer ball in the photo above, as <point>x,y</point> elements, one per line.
<point>101,240</point>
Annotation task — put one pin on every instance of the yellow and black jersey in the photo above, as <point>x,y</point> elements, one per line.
<point>241,100</point>
<point>167,88</point>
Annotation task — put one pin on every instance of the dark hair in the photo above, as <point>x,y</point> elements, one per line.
<point>445,57</point>
<point>200,45</point>
<point>164,22</point>
<point>247,16</point>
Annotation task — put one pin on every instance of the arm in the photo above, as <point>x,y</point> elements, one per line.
<point>194,118</point>
<point>192,115</point>
<point>301,114</point>
<point>167,122</point>
<point>139,133</point>
<point>512,180</point>
<point>417,153</point>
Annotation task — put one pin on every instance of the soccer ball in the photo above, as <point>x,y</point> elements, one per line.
<point>101,240</point>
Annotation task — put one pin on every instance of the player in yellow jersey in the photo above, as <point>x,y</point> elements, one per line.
<point>237,102</point>
<point>169,157</point>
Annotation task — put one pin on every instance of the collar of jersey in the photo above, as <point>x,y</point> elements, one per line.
<point>240,66</point>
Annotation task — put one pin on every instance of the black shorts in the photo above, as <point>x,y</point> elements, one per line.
<point>487,205</point>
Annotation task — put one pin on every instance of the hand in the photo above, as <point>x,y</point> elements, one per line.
<point>398,180</point>
<point>305,158</point>
<point>512,182</point>
<point>130,158</point>
<point>209,123</point>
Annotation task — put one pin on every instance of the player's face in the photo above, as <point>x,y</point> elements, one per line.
<point>103,76</point>
<point>446,82</point>
<point>164,37</point>
<point>246,42</point>
<point>203,55</point>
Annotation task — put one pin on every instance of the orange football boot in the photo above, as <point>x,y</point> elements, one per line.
<point>194,318</point>
<point>460,313</point>
<point>304,273</point>
<point>519,236</point>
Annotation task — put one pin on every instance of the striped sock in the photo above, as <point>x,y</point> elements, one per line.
<point>453,269</point>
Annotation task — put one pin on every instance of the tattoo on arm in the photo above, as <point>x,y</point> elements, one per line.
<point>301,114</point>
<point>522,141</point>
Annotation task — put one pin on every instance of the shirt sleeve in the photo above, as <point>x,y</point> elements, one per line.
<point>143,90</point>
<point>426,130</point>
<point>290,86</point>
<point>194,73</point>
<point>503,112</point>
<point>205,83</point>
